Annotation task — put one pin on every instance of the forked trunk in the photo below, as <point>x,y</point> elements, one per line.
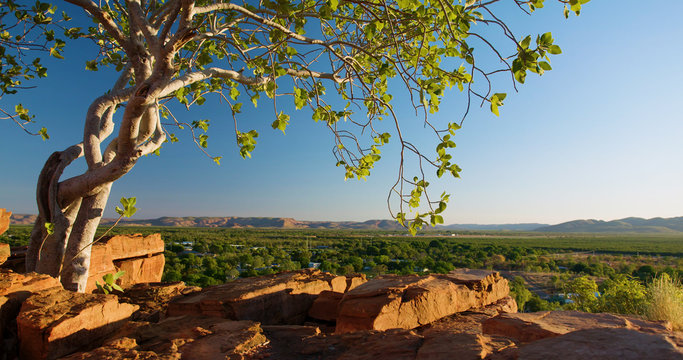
<point>76,262</point>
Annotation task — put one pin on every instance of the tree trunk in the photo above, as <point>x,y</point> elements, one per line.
<point>76,262</point>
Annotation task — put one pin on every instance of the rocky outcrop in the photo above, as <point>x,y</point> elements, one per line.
<point>14,290</point>
<point>153,298</point>
<point>16,260</point>
<point>4,225</point>
<point>604,344</point>
<point>4,220</point>
<point>196,338</point>
<point>354,281</point>
<point>483,331</point>
<point>140,257</point>
<point>528,327</point>
<point>407,302</point>
<point>56,322</point>
<point>284,298</point>
<point>326,306</point>
<point>5,253</point>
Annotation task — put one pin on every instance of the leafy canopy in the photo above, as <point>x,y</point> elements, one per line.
<point>341,59</point>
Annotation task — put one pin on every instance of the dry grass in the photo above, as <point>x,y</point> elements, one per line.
<point>666,301</point>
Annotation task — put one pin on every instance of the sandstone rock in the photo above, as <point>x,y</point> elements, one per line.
<point>443,344</point>
<point>130,246</point>
<point>527,327</point>
<point>4,220</point>
<point>141,270</point>
<point>380,345</point>
<point>56,322</point>
<point>353,281</point>
<point>16,260</point>
<point>411,301</point>
<point>14,289</point>
<point>153,298</point>
<point>119,349</point>
<point>4,252</point>
<point>283,298</point>
<point>504,305</point>
<point>326,306</point>
<point>140,257</point>
<point>604,344</point>
<point>196,338</point>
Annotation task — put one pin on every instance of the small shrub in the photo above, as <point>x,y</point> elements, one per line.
<point>109,283</point>
<point>665,300</point>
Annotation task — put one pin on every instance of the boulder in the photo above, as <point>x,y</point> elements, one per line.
<point>4,220</point>
<point>56,322</point>
<point>326,306</point>
<point>439,345</point>
<point>197,338</point>
<point>604,344</point>
<point>14,290</point>
<point>410,301</point>
<point>527,327</point>
<point>402,344</point>
<point>16,260</point>
<point>283,298</point>
<point>355,280</point>
<point>141,257</point>
<point>141,270</point>
<point>153,298</point>
<point>5,253</point>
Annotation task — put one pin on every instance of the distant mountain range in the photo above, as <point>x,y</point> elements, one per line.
<point>632,224</point>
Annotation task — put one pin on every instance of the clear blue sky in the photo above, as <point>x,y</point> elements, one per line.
<point>599,136</point>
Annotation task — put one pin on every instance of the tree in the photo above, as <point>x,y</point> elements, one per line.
<point>519,292</point>
<point>183,50</point>
<point>583,292</point>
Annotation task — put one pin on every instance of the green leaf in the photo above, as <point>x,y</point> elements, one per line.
<point>234,93</point>
<point>555,50</point>
<point>129,208</point>
<point>334,4</point>
<point>49,228</point>
<point>43,134</point>
<point>281,122</point>
<point>91,65</point>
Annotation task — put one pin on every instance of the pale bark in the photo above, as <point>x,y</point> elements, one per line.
<point>76,261</point>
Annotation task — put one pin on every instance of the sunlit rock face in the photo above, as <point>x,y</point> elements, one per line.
<point>56,322</point>
<point>283,298</point>
<point>4,220</point>
<point>407,302</point>
<point>141,257</point>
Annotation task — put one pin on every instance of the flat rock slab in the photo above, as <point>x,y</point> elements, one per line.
<point>527,327</point>
<point>196,338</point>
<point>604,344</point>
<point>56,322</point>
<point>407,302</point>
<point>153,298</point>
<point>283,298</point>
<point>130,246</point>
<point>402,344</point>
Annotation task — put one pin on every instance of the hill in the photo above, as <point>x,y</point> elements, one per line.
<point>630,224</point>
<point>626,225</point>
